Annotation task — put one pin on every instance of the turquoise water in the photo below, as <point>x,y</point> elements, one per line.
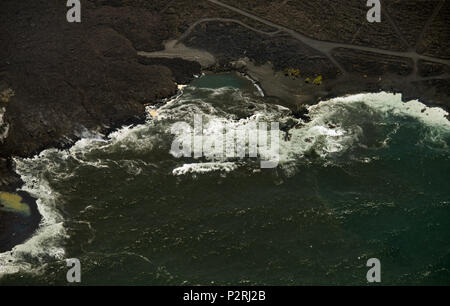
<point>367,177</point>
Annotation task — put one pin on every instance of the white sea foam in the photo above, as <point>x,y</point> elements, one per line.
<point>340,110</point>
<point>205,168</point>
<point>325,134</point>
<point>215,92</point>
<point>2,114</point>
<point>332,129</point>
<point>4,127</point>
<point>314,134</point>
<point>46,242</point>
<point>392,104</point>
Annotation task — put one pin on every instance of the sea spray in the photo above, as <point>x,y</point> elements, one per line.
<point>344,186</point>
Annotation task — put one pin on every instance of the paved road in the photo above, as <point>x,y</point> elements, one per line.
<point>326,47</point>
<point>194,25</point>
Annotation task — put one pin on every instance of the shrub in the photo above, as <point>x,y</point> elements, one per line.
<point>318,80</point>
<point>291,72</point>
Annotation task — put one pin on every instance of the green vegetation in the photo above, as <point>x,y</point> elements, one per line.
<point>318,80</point>
<point>292,73</point>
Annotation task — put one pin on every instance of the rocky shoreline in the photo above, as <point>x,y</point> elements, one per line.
<point>59,79</point>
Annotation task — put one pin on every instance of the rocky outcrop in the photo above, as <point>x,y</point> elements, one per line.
<point>182,70</point>
<point>58,79</point>
<point>69,77</point>
<point>72,76</point>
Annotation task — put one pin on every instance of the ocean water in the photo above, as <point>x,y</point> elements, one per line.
<point>367,177</point>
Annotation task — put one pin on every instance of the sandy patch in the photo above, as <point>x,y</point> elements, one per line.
<point>178,50</point>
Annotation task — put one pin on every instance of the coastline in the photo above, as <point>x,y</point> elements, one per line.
<point>83,212</point>
<point>264,77</point>
<point>9,222</point>
<point>122,69</point>
<point>61,81</point>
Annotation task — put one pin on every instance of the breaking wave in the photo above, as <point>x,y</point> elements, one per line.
<point>336,126</point>
<point>46,242</point>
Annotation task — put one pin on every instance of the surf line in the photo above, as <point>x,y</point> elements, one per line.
<point>228,143</point>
